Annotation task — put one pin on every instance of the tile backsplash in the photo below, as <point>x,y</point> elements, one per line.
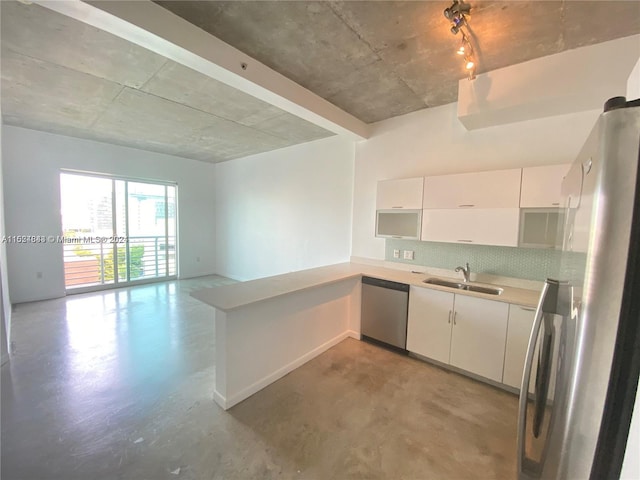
<point>526,263</point>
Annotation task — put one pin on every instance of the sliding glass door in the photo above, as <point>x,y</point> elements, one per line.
<point>117,231</point>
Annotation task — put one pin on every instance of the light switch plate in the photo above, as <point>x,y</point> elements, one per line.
<point>408,254</point>
<point>396,253</point>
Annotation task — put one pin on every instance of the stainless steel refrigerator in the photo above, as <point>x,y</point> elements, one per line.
<point>581,372</point>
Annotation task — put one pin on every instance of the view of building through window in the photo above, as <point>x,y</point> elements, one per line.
<point>116,230</point>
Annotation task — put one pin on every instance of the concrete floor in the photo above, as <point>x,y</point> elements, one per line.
<point>118,385</point>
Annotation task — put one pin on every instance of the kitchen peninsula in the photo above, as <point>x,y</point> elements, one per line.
<point>268,327</point>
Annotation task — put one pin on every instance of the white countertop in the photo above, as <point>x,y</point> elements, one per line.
<point>237,295</point>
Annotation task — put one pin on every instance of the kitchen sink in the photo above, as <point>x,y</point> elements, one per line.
<point>483,289</point>
<point>465,286</point>
<point>443,283</point>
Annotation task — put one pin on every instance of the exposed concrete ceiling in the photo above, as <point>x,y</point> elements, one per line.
<point>373,59</point>
<point>377,59</point>
<point>63,76</point>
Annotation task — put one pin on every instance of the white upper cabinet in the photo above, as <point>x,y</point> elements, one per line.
<point>399,223</point>
<point>494,189</point>
<point>401,194</point>
<point>541,186</point>
<point>485,226</point>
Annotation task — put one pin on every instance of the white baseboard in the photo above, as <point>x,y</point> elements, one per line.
<point>245,393</point>
<point>220,400</point>
<point>354,334</point>
<point>196,275</point>
<point>232,276</point>
<point>29,299</point>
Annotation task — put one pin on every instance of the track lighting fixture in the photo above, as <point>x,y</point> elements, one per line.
<point>456,14</point>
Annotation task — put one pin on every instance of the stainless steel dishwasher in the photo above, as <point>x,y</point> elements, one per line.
<point>384,311</point>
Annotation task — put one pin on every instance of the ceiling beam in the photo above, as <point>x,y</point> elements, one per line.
<point>155,28</point>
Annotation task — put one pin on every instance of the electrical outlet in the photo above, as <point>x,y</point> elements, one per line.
<point>396,253</point>
<point>408,255</point>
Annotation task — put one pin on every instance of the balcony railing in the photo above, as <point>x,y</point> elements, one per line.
<point>95,264</point>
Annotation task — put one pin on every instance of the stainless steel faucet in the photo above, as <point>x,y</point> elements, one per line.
<point>466,272</point>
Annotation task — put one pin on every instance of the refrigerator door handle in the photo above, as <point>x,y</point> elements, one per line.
<point>543,376</point>
<point>547,296</point>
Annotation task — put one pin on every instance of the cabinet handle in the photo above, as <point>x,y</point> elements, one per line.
<point>528,309</point>
<point>455,314</point>
<point>466,241</point>
<point>449,321</point>
<point>555,203</point>
<point>396,207</point>
<point>467,205</point>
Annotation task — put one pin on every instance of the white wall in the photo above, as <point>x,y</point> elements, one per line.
<point>434,142</point>
<point>285,210</point>
<point>32,162</point>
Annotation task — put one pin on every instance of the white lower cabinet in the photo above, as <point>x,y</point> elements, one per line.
<point>429,323</point>
<point>479,335</point>
<point>463,331</point>
<point>518,333</point>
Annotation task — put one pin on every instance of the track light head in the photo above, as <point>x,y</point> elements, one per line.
<point>448,13</point>
<point>457,9</point>
<point>456,24</point>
